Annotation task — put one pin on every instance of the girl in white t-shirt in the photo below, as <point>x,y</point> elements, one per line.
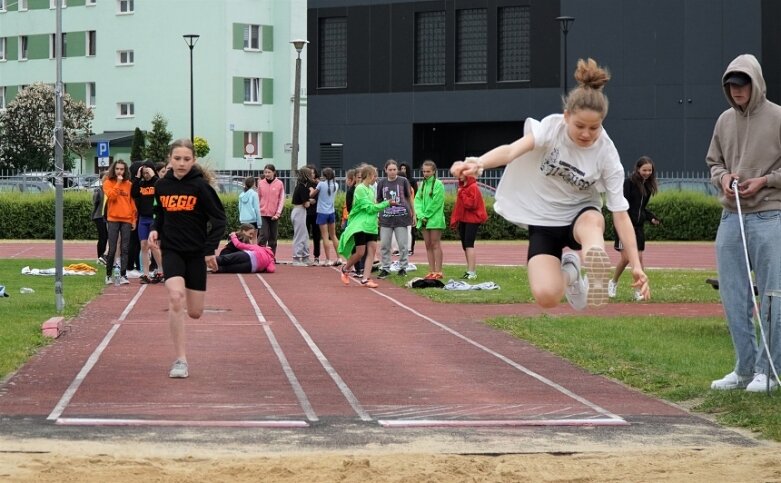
<point>553,183</point>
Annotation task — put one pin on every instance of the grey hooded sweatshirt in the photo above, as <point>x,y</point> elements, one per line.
<point>748,142</point>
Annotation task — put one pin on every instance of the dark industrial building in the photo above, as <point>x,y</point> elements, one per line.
<point>444,79</point>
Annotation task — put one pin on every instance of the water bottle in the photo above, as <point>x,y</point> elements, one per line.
<point>116,276</point>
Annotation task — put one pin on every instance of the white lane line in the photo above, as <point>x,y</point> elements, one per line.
<point>93,359</point>
<point>291,376</point>
<point>174,422</point>
<point>507,360</point>
<point>348,394</point>
<point>476,423</point>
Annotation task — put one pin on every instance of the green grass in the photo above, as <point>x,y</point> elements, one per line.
<point>669,357</point>
<point>21,315</point>
<point>667,286</point>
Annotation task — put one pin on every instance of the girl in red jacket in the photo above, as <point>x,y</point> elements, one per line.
<point>468,214</point>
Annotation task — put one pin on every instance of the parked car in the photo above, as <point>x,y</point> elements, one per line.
<point>15,185</point>
<point>230,184</point>
<point>451,186</point>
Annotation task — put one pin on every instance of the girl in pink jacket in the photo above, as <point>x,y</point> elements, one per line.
<point>251,258</point>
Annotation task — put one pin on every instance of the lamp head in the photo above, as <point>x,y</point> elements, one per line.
<point>191,39</point>
<point>299,44</point>
<point>565,21</point>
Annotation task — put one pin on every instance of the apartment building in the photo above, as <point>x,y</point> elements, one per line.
<point>128,60</point>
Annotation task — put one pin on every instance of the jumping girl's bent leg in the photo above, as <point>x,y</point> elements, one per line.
<point>588,230</point>
<point>546,280</point>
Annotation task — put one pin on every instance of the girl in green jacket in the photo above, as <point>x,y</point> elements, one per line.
<point>430,210</point>
<point>361,232</point>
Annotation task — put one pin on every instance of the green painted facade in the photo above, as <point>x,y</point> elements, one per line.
<point>158,80</point>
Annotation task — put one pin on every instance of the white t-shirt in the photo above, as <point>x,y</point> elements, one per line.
<point>551,184</point>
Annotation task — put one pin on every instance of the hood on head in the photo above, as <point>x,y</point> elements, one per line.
<point>743,67</point>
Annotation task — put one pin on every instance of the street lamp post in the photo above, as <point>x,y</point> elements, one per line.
<point>191,40</point>
<point>298,44</point>
<point>565,22</point>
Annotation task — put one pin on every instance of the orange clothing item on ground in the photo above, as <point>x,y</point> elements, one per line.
<point>119,204</point>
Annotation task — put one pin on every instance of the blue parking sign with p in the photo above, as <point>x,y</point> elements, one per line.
<point>103,149</point>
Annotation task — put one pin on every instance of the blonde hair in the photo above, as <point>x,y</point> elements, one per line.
<point>588,94</point>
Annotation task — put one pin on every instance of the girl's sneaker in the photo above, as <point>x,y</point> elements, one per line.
<point>577,289</point>
<point>144,279</point>
<point>598,273</point>
<point>369,283</point>
<point>612,287</point>
<point>429,276</point>
<point>345,277</point>
<point>469,276</point>
<point>437,276</point>
<point>639,296</point>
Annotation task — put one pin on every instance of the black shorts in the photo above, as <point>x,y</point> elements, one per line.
<point>362,238</point>
<point>639,236</point>
<point>551,240</point>
<point>468,233</point>
<point>189,266</point>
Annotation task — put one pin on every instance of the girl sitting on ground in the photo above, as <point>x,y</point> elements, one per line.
<point>250,257</point>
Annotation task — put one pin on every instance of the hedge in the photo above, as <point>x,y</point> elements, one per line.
<point>685,216</point>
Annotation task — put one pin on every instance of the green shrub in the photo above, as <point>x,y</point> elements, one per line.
<point>685,216</point>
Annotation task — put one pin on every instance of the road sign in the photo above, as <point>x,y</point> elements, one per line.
<point>104,161</point>
<point>249,149</point>
<point>103,151</point>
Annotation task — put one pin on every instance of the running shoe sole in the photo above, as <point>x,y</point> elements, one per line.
<point>597,266</point>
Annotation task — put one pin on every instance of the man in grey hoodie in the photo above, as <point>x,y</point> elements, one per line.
<point>744,158</point>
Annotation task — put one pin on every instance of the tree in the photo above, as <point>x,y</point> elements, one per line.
<point>27,130</point>
<point>138,147</point>
<point>159,139</point>
<point>201,147</point>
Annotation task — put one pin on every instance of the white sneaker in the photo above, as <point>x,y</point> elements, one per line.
<point>611,289</point>
<point>123,281</point>
<point>759,384</point>
<point>577,291</point>
<point>179,370</point>
<point>639,296</point>
<point>109,281</point>
<point>133,274</point>
<point>730,381</point>
<point>598,272</point>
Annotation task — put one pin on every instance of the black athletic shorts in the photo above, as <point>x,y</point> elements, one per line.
<point>362,238</point>
<point>551,240</point>
<point>639,236</point>
<point>191,267</point>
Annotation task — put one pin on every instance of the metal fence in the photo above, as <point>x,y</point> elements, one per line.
<point>668,181</point>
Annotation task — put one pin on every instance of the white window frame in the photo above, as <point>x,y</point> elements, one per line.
<point>53,4</point>
<point>90,97</point>
<point>126,109</point>
<point>252,90</point>
<point>91,43</point>
<point>3,45</point>
<point>91,3</point>
<point>2,6</point>
<point>2,97</point>
<point>248,30</point>
<point>126,7</point>
<point>126,57</point>
<point>22,6</point>
<point>23,47</point>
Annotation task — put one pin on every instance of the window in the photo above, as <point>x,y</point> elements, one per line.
<point>252,37</point>
<point>252,138</point>
<point>125,57</point>
<point>332,52</point>
<point>2,48</point>
<point>125,6</point>
<point>90,94</point>
<point>53,3</point>
<point>91,45</point>
<point>514,50</point>
<point>52,45</point>
<point>91,2</point>
<point>23,5</point>
<point>126,109</point>
<point>252,90</point>
<point>430,48</point>
<point>471,45</point>
<point>2,5</point>
<point>22,47</point>
<point>2,97</point>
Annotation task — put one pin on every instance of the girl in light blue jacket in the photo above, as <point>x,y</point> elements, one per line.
<point>249,204</point>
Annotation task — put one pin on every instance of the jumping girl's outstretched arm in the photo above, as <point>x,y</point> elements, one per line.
<point>499,156</point>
